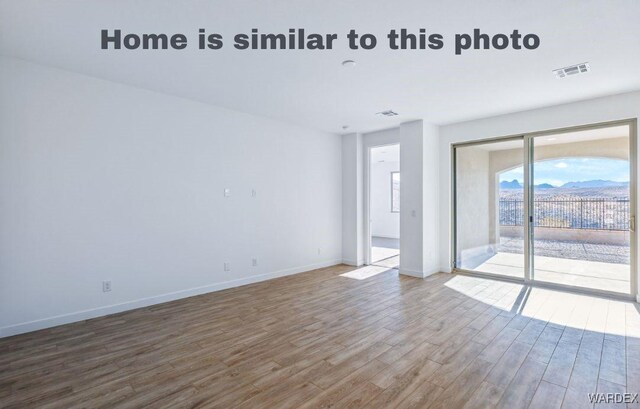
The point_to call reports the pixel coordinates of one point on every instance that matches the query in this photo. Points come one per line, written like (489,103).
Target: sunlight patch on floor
(581,312)
(474,287)
(381,253)
(365,272)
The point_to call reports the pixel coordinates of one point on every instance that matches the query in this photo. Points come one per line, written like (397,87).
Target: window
(395,192)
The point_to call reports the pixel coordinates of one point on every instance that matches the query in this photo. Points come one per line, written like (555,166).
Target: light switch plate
(106,286)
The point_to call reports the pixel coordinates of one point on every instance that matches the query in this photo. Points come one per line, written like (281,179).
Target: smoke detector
(388,112)
(572,70)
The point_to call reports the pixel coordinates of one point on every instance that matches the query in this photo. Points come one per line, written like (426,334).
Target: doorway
(384,206)
(552,207)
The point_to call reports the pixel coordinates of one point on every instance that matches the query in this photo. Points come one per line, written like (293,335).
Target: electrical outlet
(106,286)
(319,250)
(254,262)
(227,192)
(227,267)
(253,193)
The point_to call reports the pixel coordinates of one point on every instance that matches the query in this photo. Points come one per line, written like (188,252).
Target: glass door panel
(489,207)
(581,201)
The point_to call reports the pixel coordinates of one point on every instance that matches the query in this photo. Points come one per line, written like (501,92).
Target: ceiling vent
(388,112)
(572,70)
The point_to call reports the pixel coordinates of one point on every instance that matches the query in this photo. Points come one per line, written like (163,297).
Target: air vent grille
(572,70)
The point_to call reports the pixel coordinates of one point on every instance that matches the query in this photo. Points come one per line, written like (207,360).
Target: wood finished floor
(320,339)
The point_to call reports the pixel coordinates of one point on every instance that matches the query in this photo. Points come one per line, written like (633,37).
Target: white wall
(384,223)
(352,200)
(381,138)
(419,213)
(617,107)
(102,181)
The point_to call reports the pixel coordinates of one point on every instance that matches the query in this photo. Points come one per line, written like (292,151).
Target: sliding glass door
(581,208)
(489,199)
(554,207)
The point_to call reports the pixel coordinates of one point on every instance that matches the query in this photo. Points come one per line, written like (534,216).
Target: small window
(395,192)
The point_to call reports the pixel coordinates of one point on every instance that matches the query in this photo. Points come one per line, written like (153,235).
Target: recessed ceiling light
(572,70)
(345,127)
(348,63)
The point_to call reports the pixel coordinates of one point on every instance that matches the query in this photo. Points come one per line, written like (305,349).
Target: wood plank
(506,368)
(359,397)
(404,385)
(584,377)
(545,344)
(561,364)
(319,339)
(342,388)
(522,388)
(486,396)
(548,396)
(459,391)
(614,362)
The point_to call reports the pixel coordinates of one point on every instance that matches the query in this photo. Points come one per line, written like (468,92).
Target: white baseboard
(418,274)
(54,321)
(638,298)
(353,263)
(412,273)
(431,272)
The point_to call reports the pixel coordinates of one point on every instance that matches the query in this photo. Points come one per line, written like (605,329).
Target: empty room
(336,204)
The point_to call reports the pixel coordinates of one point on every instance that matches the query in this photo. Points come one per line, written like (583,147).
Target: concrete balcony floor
(573,250)
(587,265)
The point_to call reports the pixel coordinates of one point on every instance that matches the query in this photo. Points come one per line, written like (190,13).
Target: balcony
(577,242)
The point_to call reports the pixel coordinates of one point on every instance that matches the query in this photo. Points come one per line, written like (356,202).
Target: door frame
(367,199)
(528,148)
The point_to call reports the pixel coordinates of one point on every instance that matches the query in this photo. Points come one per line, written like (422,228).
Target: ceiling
(312,88)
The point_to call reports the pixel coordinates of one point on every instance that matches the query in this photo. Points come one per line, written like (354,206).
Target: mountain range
(514,184)
(595,183)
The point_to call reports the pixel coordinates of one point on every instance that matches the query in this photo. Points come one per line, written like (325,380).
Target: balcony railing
(592,214)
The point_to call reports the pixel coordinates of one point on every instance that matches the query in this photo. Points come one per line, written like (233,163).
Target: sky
(560,171)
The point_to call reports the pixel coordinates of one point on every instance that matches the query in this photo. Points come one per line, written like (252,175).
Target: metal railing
(592,214)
